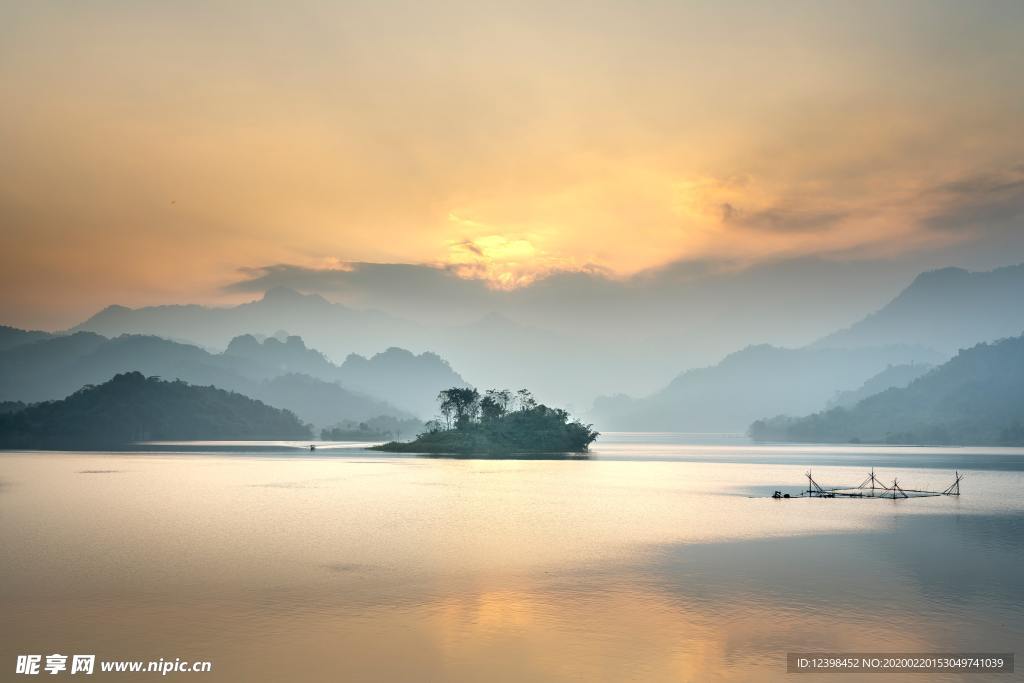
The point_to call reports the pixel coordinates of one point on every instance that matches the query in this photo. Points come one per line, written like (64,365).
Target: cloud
(979,203)
(565,298)
(352,278)
(417,291)
(782,218)
(512,142)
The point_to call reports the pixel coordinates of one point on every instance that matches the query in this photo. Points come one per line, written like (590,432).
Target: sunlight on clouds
(707,198)
(503,262)
(503,142)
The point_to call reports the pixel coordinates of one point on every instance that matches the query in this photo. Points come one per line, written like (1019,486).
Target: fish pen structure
(872,487)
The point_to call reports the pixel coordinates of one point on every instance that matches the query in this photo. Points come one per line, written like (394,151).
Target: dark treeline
(976,398)
(380,428)
(12,406)
(131,407)
(496,422)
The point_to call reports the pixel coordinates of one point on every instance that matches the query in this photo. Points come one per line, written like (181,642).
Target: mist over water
(658,558)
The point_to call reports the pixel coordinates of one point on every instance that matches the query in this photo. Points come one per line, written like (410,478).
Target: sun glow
(503,144)
(504,261)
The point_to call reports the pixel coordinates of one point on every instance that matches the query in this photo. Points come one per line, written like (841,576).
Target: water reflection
(422,569)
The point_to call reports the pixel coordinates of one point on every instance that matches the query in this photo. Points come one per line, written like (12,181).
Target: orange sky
(152,150)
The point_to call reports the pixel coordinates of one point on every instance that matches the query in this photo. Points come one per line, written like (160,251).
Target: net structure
(873,487)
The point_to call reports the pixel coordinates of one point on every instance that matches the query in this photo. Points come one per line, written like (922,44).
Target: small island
(499,422)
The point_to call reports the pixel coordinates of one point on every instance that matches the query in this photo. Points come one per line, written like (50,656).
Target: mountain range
(283,373)
(976,398)
(946,310)
(923,325)
(893,376)
(12,336)
(340,331)
(938,313)
(728,396)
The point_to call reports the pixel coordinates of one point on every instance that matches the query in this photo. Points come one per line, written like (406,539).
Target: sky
(179,152)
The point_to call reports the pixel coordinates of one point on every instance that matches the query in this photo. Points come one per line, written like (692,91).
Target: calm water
(656,559)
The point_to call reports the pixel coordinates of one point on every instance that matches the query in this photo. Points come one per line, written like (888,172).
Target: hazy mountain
(396,376)
(410,381)
(131,408)
(976,398)
(283,373)
(939,312)
(499,352)
(751,382)
(278,357)
(528,352)
(322,324)
(12,336)
(54,368)
(573,336)
(892,376)
(551,335)
(322,403)
(945,309)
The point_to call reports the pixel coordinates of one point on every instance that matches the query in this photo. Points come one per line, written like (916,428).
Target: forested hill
(131,408)
(977,398)
(12,336)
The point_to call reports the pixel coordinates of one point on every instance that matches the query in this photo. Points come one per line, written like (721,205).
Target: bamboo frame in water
(872,487)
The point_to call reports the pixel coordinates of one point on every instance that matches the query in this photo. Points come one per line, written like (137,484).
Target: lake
(659,558)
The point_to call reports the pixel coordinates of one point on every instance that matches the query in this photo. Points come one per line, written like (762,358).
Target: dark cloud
(983,202)
(781,219)
(472,247)
(411,290)
(352,278)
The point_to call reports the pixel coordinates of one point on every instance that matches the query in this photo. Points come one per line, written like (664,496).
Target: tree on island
(499,421)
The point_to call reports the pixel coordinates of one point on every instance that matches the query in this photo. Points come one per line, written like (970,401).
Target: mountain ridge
(271,371)
(947,308)
(976,398)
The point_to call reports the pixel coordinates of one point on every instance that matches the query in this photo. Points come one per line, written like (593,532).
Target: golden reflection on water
(423,569)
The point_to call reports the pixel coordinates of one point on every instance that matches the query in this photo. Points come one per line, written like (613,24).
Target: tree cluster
(498,421)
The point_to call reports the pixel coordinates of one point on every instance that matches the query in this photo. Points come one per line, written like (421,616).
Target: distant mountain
(319,322)
(749,383)
(54,368)
(940,312)
(892,376)
(131,408)
(410,381)
(945,309)
(323,403)
(977,398)
(340,331)
(12,336)
(278,357)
